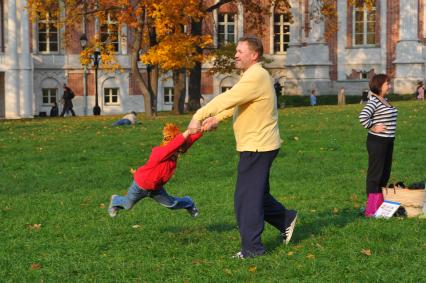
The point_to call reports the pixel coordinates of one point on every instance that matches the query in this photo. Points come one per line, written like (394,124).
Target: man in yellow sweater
(252,103)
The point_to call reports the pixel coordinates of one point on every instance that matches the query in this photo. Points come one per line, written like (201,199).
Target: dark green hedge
(298,100)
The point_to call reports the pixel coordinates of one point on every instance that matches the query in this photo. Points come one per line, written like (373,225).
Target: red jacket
(161,164)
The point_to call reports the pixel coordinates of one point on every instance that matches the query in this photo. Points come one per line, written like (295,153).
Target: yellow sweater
(252,102)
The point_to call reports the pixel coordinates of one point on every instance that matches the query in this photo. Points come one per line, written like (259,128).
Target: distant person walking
(341,100)
(277,88)
(313,97)
(420,91)
(67,98)
(379,117)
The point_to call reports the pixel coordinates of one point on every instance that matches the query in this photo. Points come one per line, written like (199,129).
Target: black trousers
(253,203)
(380,152)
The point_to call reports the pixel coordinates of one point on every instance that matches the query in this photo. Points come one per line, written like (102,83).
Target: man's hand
(194,126)
(210,124)
(378,128)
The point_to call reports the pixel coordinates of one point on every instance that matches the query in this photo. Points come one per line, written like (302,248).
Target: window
(364,25)
(281,33)
(47,33)
(49,95)
(109,32)
(226,29)
(168,95)
(111,96)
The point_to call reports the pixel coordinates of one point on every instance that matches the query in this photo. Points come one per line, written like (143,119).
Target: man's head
(249,51)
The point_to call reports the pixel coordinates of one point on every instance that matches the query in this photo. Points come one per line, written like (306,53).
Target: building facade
(390,38)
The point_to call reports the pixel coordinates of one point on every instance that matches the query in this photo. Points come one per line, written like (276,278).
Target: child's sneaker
(112,210)
(193,211)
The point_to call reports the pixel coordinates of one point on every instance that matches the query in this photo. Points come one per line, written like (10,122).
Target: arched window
(49,91)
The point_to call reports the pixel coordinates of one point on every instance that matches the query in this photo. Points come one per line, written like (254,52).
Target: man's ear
(255,56)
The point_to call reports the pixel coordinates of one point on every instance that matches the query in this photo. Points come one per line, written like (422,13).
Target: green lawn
(60,173)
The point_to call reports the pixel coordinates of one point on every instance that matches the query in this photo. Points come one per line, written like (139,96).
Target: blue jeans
(122,122)
(136,193)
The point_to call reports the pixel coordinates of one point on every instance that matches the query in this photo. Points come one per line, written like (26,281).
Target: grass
(60,173)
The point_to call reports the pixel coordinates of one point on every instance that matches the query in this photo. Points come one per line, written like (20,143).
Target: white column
(12,75)
(26,70)
(408,19)
(295,44)
(383,36)
(424,18)
(409,60)
(341,39)
(240,21)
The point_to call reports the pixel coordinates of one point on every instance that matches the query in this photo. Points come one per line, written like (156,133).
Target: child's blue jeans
(136,193)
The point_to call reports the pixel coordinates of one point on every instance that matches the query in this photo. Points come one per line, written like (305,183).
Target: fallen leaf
(252,268)
(136,226)
(290,253)
(132,171)
(35,266)
(367,252)
(318,245)
(335,210)
(296,138)
(310,256)
(102,205)
(34,227)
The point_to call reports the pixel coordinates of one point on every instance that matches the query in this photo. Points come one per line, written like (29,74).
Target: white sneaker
(193,211)
(238,255)
(290,223)
(112,210)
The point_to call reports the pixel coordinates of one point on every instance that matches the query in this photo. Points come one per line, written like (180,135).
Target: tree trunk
(153,87)
(136,72)
(179,91)
(195,73)
(153,71)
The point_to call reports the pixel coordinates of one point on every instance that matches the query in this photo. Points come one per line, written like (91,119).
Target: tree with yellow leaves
(156,29)
(167,35)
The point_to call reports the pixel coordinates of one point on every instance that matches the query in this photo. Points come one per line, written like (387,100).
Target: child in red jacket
(149,179)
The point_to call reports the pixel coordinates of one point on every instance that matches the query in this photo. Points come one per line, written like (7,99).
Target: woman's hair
(377,82)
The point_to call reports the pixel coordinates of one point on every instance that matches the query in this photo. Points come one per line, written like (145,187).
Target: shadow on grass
(312,225)
(215,227)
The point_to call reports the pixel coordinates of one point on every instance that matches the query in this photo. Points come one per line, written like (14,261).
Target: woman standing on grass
(379,117)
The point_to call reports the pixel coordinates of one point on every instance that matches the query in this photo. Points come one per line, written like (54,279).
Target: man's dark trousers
(253,203)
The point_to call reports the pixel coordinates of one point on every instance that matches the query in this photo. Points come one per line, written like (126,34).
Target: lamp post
(83,43)
(96,59)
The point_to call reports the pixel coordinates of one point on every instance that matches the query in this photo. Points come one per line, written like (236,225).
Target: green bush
(303,100)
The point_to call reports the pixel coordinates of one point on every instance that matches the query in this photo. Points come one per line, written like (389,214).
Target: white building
(35,63)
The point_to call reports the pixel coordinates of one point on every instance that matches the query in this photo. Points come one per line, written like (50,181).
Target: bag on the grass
(411,200)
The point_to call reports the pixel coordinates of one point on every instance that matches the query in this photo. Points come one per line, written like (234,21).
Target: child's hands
(185,134)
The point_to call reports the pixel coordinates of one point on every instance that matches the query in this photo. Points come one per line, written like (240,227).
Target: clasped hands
(208,124)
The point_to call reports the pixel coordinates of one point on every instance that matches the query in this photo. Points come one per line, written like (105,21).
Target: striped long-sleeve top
(375,112)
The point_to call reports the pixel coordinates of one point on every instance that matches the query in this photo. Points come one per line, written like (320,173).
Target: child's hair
(170,131)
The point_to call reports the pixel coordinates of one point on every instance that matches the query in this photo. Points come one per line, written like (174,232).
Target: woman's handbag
(411,200)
